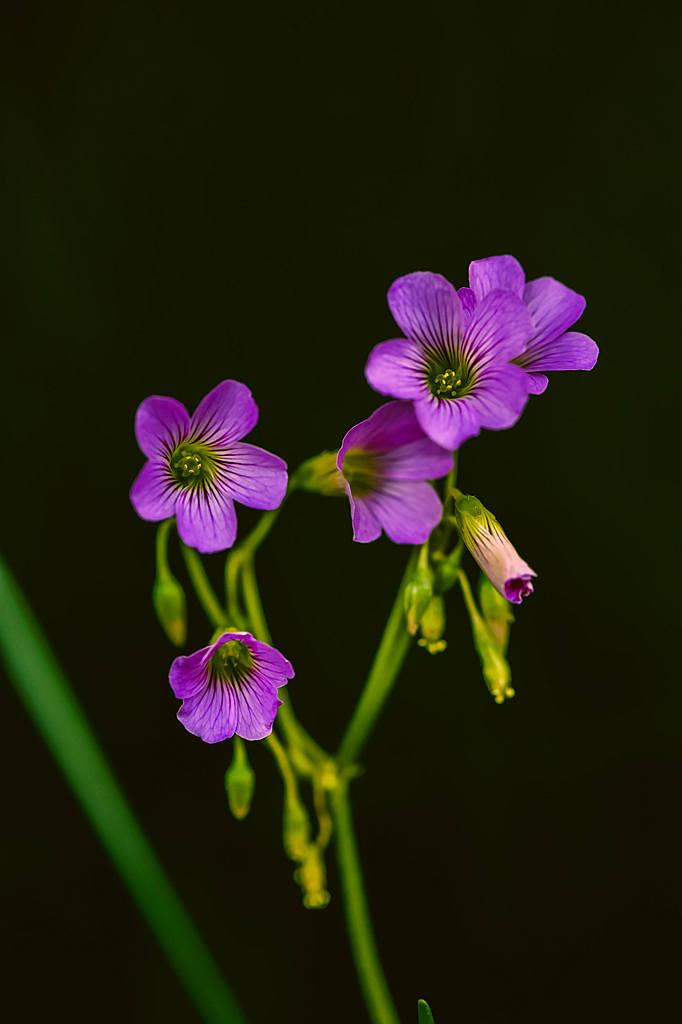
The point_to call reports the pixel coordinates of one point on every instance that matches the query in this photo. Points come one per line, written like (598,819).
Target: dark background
(198,191)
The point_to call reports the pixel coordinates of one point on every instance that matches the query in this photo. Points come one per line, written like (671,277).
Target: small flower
(230,687)
(455,362)
(553,309)
(386,461)
(198,465)
(491,548)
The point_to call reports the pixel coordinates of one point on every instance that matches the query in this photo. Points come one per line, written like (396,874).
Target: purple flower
(386,461)
(230,687)
(492,549)
(198,466)
(455,362)
(553,309)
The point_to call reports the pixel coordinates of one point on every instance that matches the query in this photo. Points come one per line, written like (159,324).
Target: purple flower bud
(492,549)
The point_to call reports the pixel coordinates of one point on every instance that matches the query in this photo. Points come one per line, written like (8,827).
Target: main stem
(363,945)
(385,669)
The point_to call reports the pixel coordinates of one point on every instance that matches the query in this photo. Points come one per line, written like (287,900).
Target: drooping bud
(321,476)
(495,667)
(170,606)
(496,612)
(432,626)
(418,591)
(296,829)
(240,781)
(311,875)
(491,548)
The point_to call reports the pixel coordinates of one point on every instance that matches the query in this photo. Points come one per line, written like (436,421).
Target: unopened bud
(321,476)
(492,549)
(240,783)
(170,606)
(496,612)
(432,626)
(495,667)
(311,875)
(296,829)
(416,597)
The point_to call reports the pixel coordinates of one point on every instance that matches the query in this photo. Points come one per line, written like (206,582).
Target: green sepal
(445,575)
(424,1015)
(416,597)
(320,475)
(496,611)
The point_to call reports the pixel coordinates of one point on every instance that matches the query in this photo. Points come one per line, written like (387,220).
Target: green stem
(58,717)
(385,669)
(363,945)
(295,733)
(162,549)
(204,590)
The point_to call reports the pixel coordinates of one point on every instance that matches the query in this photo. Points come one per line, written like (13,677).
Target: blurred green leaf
(424,1012)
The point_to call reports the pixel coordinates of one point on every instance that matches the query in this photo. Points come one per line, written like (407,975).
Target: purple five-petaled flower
(455,363)
(198,466)
(553,309)
(386,462)
(230,687)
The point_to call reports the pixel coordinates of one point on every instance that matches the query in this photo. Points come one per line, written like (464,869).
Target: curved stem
(59,719)
(385,669)
(162,548)
(202,586)
(295,733)
(363,945)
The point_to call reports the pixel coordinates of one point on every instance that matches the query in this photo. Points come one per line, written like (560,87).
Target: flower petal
(226,414)
(206,519)
(468,299)
(496,272)
(257,705)
(365,524)
(154,492)
(253,476)
(212,713)
(427,308)
(496,402)
(407,510)
(394,431)
(553,309)
(537,383)
(189,674)
(448,423)
(160,424)
(498,330)
(396,368)
(570,351)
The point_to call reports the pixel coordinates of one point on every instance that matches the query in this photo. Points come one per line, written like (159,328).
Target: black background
(199,191)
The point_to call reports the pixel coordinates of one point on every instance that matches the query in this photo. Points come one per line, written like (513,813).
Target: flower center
(232,661)
(449,381)
(191,463)
(359,469)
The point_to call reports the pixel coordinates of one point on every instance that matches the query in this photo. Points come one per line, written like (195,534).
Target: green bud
(240,783)
(495,667)
(432,626)
(416,597)
(296,829)
(496,611)
(170,606)
(320,475)
(311,875)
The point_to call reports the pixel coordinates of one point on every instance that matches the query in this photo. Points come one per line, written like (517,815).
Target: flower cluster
(469,359)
